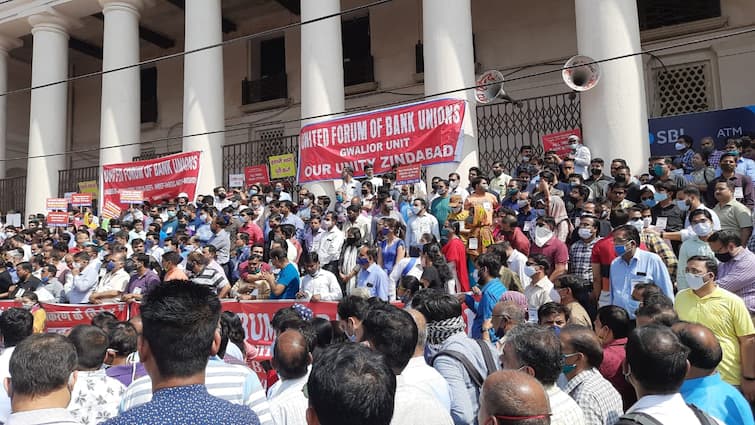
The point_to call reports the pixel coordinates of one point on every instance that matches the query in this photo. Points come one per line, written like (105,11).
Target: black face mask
(500,332)
(352,241)
(596,171)
(724,258)
(621,178)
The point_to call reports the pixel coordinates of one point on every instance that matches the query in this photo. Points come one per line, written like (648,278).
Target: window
(357,55)
(272,82)
(148,95)
(660,13)
(682,89)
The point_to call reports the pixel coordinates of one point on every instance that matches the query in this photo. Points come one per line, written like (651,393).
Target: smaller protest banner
(89,186)
(131,196)
(409,174)
(256,174)
(559,142)
(111,210)
(56,204)
(282,166)
(81,199)
(235,180)
(57,219)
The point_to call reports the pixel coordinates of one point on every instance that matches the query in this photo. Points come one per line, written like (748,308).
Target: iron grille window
(357,58)
(661,13)
(682,89)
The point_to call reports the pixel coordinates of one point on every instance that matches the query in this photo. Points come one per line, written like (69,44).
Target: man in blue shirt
(371,275)
(287,284)
(181,317)
(703,386)
(632,266)
(491,288)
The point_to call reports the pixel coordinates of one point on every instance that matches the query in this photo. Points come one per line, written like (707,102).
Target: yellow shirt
(40,317)
(727,316)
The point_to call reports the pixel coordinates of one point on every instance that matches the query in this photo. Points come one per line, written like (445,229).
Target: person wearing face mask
(349,187)
(249,226)
(420,222)
(306,200)
(685,152)
(506,316)
(708,148)
(598,182)
(582,355)
(661,172)
(490,288)
(355,219)
(371,275)
(547,244)
(113,284)
(392,248)
(633,266)
(697,245)
(743,187)
(736,265)
(439,206)
(580,252)
(526,216)
(30,302)
(744,166)
(667,210)
(509,195)
(724,313)
(351,312)
(318,284)
(581,155)
(525,155)
(347,262)
(454,180)
(387,208)
(330,243)
(540,290)
(651,240)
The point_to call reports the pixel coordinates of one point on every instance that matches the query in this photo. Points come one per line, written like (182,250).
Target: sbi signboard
(721,125)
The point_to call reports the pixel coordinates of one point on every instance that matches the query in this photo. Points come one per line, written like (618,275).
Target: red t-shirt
(554,250)
(456,253)
(518,240)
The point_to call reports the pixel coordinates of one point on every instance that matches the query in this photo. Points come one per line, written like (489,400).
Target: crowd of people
(593,295)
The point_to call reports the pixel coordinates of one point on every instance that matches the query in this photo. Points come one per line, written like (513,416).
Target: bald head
(705,350)
(421,322)
(291,356)
(513,394)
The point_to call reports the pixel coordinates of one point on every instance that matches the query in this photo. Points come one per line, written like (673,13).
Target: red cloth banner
(559,142)
(60,204)
(159,179)
(57,219)
(256,174)
(422,133)
(62,317)
(81,199)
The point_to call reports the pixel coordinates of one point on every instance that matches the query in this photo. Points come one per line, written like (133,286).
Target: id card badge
(661,223)
(472,243)
(739,193)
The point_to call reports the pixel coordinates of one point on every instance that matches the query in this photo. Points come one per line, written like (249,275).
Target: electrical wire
(399,102)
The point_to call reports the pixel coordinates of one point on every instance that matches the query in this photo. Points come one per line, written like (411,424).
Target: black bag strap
(703,417)
(461,358)
(640,418)
(487,356)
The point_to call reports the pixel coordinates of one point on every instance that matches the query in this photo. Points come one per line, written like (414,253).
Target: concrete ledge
(266,105)
(683,29)
(360,88)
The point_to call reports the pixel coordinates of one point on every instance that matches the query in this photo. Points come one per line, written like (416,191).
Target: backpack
(645,419)
(470,368)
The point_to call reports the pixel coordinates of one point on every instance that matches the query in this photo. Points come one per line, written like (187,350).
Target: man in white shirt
(113,284)
(330,242)
(361,222)
(318,284)
(418,373)
(540,290)
(581,155)
(420,222)
(291,360)
(349,187)
(656,364)
(16,324)
(85,273)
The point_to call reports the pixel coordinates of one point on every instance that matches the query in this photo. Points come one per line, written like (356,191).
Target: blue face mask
(362,261)
(649,202)
(110,266)
(658,197)
(45,279)
(658,170)
(619,249)
(568,368)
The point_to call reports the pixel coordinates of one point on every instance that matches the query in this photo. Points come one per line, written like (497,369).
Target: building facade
(237,79)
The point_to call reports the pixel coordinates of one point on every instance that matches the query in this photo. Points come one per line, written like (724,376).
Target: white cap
(574,138)
(183,195)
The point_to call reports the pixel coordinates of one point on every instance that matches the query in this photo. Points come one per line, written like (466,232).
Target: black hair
(710,264)
(123,338)
(657,359)
(410,283)
(584,341)
(491,263)
(41,364)
(393,332)
(550,308)
(15,325)
(616,319)
(179,321)
(104,320)
(436,305)
(323,328)
(542,261)
(352,306)
(91,344)
(537,347)
(233,330)
(630,232)
(726,237)
(433,253)
(351,384)
(285,318)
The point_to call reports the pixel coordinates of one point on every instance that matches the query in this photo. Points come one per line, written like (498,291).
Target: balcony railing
(68,180)
(264,89)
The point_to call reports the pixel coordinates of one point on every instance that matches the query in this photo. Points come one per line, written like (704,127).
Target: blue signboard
(721,125)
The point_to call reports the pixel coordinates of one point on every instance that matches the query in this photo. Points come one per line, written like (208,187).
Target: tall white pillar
(6,45)
(120,121)
(321,68)
(47,123)
(449,65)
(203,91)
(614,113)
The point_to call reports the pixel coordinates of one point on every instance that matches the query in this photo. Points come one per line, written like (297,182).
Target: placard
(256,174)
(81,199)
(132,197)
(57,219)
(59,204)
(235,180)
(282,166)
(559,142)
(111,210)
(409,174)
(89,186)
(13,220)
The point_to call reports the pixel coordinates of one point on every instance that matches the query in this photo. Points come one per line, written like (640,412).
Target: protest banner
(282,166)
(111,210)
(89,186)
(159,179)
(57,219)
(81,199)
(59,204)
(235,180)
(256,174)
(422,133)
(559,142)
(408,174)
(132,196)
(62,317)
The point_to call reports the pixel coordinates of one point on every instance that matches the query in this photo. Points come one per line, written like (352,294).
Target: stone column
(614,113)
(203,91)
(6,45)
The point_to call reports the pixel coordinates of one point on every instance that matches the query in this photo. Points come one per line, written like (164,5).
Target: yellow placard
(89,186)
(282,166)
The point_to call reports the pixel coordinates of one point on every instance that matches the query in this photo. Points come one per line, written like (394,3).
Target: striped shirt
(564,410)
(234,383)
(580,255)
(599,400)
(212,278)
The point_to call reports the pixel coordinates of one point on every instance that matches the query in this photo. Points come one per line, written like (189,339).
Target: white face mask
(521,203)
(694,281)
(584,233)
(542,235)
(416,210)
(638,224)
(702,229)
(529,271)
(454,184)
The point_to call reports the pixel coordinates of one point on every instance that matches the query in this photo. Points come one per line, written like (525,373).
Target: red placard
(60,204)
(111,210)
(81,199)
(256,174)
(408,174)
(159,179)
(57,219)
(559,142)
(422,133)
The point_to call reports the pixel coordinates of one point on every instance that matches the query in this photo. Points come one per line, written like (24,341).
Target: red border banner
(56,204)
(81,199)
(408,174)
(256,174)
(422,133)
(159,179)
(57,219)
(560,141)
